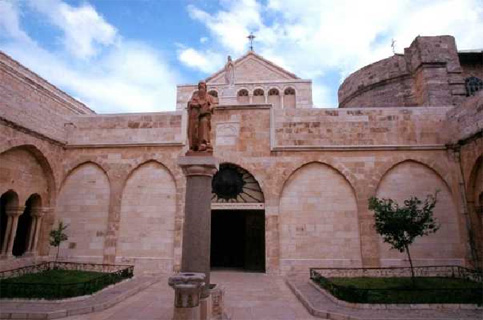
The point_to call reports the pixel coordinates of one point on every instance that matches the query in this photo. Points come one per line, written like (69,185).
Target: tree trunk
(57,255)
(413,279)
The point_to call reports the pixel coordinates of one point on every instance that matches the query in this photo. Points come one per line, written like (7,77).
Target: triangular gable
(253,68)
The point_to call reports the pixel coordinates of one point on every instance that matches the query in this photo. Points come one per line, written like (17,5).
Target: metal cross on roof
(251,37)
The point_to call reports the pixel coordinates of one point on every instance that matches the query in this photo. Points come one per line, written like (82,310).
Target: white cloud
(9,22)
(125,77)
(206,61)
(85,31)
(315,38)
(231,26)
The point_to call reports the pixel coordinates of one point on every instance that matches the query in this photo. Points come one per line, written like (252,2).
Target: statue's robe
(199,120)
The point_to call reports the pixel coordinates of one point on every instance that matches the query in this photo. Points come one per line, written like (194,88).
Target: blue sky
(128,55)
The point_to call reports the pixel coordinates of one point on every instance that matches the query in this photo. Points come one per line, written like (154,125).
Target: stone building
(294,181)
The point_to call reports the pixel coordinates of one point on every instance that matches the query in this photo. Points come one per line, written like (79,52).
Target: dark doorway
(238,239)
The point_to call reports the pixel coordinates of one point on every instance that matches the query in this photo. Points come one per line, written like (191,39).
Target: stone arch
(289,97)
(213,93)
(274,97)
(385,167)
(259,96)
(286,175)
(318,220)
(242,96)
(473,85)
(83,204)
(413,178)
(45,173)
(74,165)
(147,222)
(475,207)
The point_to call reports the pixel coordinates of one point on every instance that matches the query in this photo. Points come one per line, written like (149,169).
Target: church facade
(294,181)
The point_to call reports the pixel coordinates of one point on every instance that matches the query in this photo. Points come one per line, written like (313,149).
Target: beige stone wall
(441,248)
(318,221)
(33,103)
(127,176)
(126,129)
(428,74)
(148,209)
(466,120)
(316,168)
(360,127)
(83,204)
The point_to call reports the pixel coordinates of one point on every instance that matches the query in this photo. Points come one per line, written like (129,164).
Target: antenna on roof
(250,38)
(393,46)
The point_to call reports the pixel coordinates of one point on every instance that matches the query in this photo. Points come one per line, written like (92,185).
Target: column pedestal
(187,291)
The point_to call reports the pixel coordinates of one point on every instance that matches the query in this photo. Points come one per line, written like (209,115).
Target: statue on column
(200,109)
(229,72)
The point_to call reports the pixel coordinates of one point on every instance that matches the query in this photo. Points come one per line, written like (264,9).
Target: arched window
(25,231)
(473,84)
(242,96)
(213,93)
(274,97)
(8,200)
(258,96)
(289,98)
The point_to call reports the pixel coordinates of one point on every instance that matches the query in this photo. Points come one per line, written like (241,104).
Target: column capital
(198,165)
(39,212)
(15,212)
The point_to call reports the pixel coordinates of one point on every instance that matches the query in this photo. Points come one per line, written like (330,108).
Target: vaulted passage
(238,239)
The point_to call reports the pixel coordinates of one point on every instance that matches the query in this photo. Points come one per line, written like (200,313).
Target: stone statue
(229,72)
(200,109)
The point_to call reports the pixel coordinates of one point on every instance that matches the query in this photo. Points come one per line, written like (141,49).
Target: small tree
(399,226)
(57,236)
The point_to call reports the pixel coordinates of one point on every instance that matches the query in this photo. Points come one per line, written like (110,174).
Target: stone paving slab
(45,309)
(320,305)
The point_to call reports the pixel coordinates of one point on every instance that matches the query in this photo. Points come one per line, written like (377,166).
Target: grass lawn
(55,284)
(55,277)
(394,283)
(400,290)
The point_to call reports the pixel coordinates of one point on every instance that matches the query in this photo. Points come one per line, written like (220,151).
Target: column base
(187,313)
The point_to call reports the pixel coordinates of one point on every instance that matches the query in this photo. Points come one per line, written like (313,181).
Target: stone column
(37,214)
(199,171)
(6,237)
(30,242)
(187,290)
(12,223)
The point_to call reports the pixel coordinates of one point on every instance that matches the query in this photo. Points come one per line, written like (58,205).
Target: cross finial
(393,46)
(251,37)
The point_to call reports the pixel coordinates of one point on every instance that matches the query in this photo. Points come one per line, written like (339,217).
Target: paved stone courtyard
(255,296)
